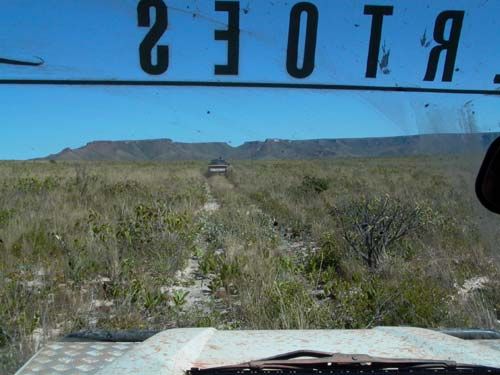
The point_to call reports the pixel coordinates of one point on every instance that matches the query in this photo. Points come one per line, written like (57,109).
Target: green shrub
(314,184)
(329,256)
(5,216)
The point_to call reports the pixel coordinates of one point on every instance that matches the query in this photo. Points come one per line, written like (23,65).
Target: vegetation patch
(349,243)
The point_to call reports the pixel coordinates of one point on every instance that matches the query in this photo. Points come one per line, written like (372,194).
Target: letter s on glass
(153,36)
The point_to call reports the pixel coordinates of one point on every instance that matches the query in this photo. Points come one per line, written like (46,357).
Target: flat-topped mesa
(280,149)
(130,141)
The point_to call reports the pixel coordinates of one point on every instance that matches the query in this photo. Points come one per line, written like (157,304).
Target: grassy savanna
(347,243)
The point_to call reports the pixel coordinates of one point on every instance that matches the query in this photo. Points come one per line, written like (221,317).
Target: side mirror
(488,179)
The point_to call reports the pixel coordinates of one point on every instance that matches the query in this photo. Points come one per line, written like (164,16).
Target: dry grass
(91,245)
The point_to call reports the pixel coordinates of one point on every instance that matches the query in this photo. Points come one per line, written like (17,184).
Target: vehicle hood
(177,350)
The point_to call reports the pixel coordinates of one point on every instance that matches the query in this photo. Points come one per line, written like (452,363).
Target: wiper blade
(314,360)
(7,61)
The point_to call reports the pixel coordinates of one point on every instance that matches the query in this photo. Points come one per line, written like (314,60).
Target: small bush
(329,259)
(314,184)
(372,226)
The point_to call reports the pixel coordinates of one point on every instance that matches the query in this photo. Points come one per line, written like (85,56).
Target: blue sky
(98,39)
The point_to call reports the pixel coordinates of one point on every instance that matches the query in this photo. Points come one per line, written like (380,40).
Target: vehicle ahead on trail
(218,167)
(348,240)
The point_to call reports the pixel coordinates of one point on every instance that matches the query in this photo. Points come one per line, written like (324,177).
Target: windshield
(245,165)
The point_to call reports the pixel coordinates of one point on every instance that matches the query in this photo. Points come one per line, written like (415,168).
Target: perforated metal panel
(74,357)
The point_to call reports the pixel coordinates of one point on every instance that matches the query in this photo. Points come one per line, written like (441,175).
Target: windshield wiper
(22,62)
(314,361)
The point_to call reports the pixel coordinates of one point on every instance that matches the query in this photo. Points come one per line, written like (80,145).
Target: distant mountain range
(166,149)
